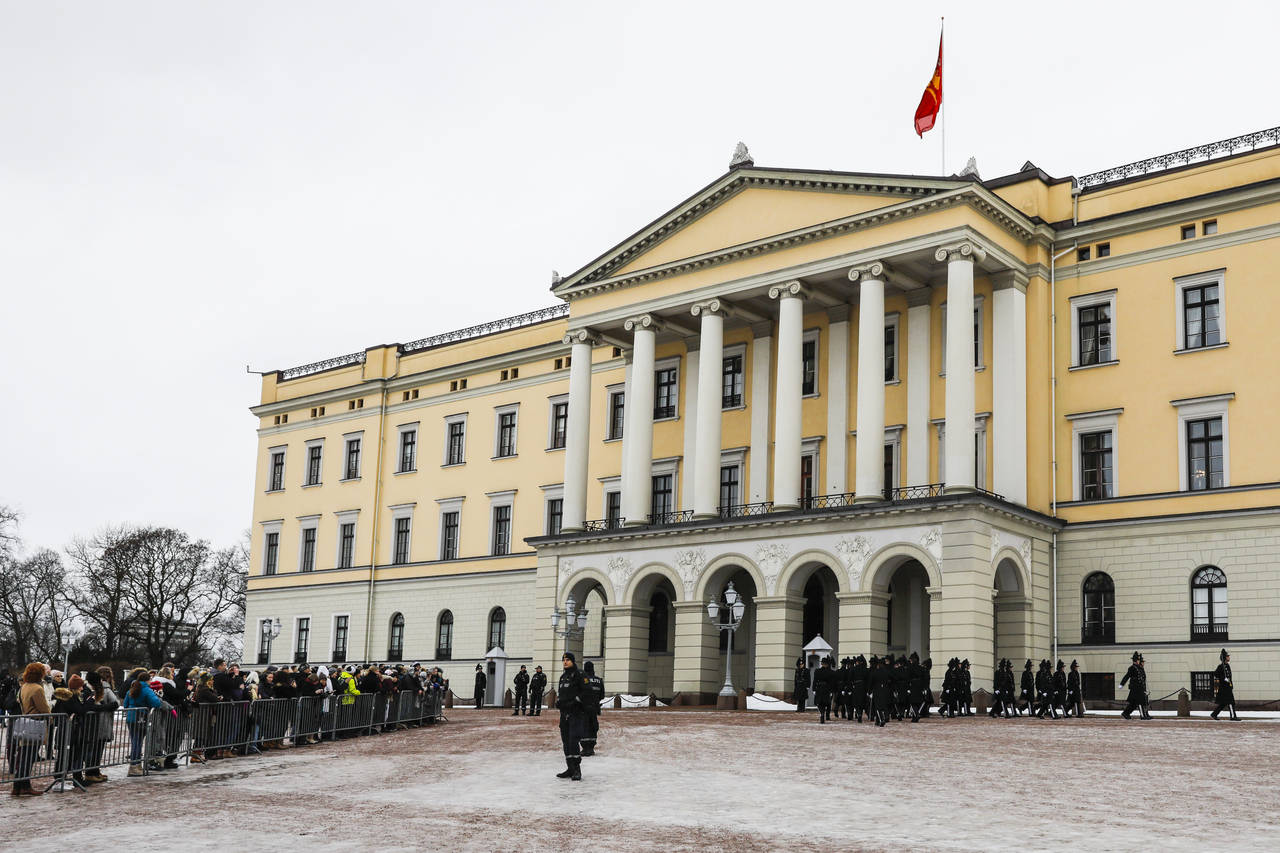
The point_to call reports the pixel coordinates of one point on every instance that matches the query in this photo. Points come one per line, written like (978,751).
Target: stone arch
(792,570)
(724,561)
(1020,572)
(647,572)
(882,564)
(581,582)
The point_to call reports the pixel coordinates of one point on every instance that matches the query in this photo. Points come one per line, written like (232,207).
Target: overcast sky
(187,188)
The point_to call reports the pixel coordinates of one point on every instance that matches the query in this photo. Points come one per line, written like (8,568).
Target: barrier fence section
(53,747)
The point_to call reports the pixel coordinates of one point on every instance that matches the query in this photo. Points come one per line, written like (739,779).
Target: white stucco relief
(854,552)
(771,557)
(1005,539)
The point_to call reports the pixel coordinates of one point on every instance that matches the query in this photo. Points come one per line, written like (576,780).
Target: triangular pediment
(749,205)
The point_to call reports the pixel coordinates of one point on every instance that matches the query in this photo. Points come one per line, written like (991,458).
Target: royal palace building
(1023,417)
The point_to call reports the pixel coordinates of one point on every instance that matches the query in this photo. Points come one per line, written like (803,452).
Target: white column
(624,479)
(637,439)
(958,444)
(692,366)
(1009,386)
(788,394)
(919,383)
(869,465)
(577,433)
(761,362)
(837,392)
(706,479)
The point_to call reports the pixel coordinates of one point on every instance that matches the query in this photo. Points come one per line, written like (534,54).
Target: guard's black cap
(1222,655)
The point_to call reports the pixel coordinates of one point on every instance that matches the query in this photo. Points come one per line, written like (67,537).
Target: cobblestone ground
(688,780)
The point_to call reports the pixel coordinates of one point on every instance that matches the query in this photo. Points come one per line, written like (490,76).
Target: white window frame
(892,321)
(549,494)
(460,418)
(735,457)
(552,402)
(610,392)
(397,512)
(447,505)
(607,485)
(672,363)
(981,364)
(282,449)
(729,351)
(275,526)
(980,456)
(306,463)
(305,523)
(346,516)
(333,633)
(814,335)
(293,645)
(893,437)
(417,446)
(1089,300)
(1099,421)
(507,498)
(1180,285)
(1194,409)
(498,412)
(811,446)
(346,450)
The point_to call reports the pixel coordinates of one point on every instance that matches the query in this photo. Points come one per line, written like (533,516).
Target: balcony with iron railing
(1206,632)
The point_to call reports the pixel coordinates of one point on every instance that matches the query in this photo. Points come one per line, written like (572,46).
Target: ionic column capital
(581,336)
(963,251)
(642,322)
(790,290)
(874,271)
(714,306)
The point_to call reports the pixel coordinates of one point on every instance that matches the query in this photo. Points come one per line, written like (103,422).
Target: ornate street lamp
(68,637)
(727,617)
(575,621)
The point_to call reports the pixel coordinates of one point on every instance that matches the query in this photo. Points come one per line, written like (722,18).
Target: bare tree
(32,611)
(99,591)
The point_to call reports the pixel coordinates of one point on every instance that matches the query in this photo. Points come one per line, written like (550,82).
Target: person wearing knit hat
(1226,696)
(569,699)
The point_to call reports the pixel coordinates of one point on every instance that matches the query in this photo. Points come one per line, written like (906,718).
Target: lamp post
(67,637)
(274,630)
(727,617)
(575,621)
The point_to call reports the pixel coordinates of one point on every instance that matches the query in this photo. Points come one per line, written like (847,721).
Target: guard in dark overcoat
(881,679)
(900,679)
(1027,690)
(1075,695)
(917,687)
(966,687)
(860,680)
(1222,680)
(800,684)
(825,684)
(1044,691)
(522,692)
(1060,687)
(537,686)
(1136,678)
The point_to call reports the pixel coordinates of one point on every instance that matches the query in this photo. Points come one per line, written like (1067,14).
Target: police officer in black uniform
(1136,678)
(800,685)
(569,699)
(522,691)
(592,696)
(824,685)
(537,686)
(1226,688)
(1075,695)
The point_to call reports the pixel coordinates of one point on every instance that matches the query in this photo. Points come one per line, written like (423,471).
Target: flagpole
(942,107)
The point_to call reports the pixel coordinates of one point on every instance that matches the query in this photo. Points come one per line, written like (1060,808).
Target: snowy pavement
(675,780)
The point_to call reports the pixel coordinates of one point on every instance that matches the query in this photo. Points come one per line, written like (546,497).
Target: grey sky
(189,187)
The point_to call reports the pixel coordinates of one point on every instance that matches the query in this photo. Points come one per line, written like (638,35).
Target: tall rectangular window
(728,486)
(277,471)
(271,561)
(807,485)
(457,442)
(1095,333)
(353,459)
(731,390)
(401,554)
(613,509)
(662,496)
(449,536)
(264,642)
(304,637)
(559,425)
(507,434)
(1200,316)
(890,478)
(346,544)
(555,516)
(664,399)
(308,562)
(1095,466)
(340,631)
(809,363)
(314,453)
(408,450)
(1204,454)
(617,409)
(891,352)
(501,530)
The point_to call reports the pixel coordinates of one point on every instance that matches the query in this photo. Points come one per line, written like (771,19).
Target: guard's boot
(1232,709)
(1214,715)
(575,769)
(568,768)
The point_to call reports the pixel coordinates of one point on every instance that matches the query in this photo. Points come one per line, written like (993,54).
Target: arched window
(658,622)
(498,629)
(1209,604)
(1099,612)
(444,637)
(395,648)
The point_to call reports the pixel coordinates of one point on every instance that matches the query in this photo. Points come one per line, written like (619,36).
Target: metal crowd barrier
(32,747)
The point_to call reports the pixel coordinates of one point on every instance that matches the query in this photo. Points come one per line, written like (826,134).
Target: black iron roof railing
(1195,154)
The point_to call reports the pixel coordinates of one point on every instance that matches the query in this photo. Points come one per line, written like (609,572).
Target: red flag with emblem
(931,100)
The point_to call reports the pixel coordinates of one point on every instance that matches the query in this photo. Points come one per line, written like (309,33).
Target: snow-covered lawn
(676,780)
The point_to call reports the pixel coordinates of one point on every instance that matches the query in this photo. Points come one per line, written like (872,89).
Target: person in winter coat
(1136,678)
(482,681)
(881,680)
(859,687)
(570,701)
(592,696)
(104,697)
(139,701)
(522,692)
(824,685)
(1222,679)
(204,721)
(25,745)
(1075,695)
(1027,689)
(79,728)
(175,693)
(537,686)
(800,684)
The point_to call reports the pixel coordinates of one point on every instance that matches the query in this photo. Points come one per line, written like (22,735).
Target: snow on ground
(676,780)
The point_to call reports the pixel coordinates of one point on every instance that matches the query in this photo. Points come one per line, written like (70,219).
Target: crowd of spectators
(193,700)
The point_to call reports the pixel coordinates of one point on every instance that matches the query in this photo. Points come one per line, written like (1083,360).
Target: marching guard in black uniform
(1136,678)
(592,696)
(1060,688)
(570,701)
(881,679)
(800,685)
(917,687)
(1226,688)
(1044,692)
(928,686)
(999,702)
(945,705)
(824,684)
(537,686)
(1027,689)
(859,688)
(522,692)
(966,687)
(844,694)
(1075,695)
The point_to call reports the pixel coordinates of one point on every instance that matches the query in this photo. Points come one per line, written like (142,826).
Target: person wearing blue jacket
(138,702)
